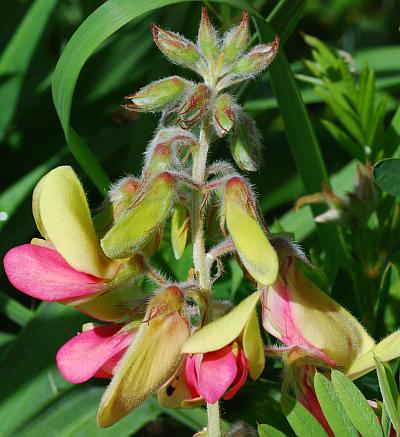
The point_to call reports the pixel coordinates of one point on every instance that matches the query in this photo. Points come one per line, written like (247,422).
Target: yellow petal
(224,330)
(179,229)
(41,242)
(253,346)
(252,245)
(62,211)
(324,323)
(148,363)
(36,206)
(386,350)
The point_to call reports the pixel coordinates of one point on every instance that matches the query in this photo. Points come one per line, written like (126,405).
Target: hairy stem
(199,252)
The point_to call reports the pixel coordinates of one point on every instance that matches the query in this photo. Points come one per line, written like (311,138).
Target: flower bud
(194,106)
(236,40)
(157,95)
(252,245)
(245,144)
(179,229)
(149,212)
(294,306)
(151,360)
(207,39)
(120,197)
(177,48)
(162,154)
(224,114)
(257,59)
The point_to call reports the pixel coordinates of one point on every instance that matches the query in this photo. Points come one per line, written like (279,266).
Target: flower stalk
(199,252)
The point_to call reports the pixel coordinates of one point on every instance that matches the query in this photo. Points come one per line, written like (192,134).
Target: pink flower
(210,375)
(218,358)
(68,265)
(95,352)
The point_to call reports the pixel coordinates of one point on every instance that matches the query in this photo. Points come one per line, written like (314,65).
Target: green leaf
(285,17)
(366,97)
(300,419)
(344,140)
(269,431)
(74,414)
(389,393)
(387,175)
(356,406)
(17,55)
(333,410)
(15,311)
(392,139)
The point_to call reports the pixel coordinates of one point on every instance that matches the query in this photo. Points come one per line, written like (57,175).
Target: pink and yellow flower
(219,357)
(68,265)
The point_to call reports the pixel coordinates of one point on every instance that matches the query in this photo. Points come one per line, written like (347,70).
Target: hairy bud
(236,40)
(252,245)
(177,48)
(194,106)
(207,39)
(245,144)
(224,114)
(257,59)
(145,217)
(157,95)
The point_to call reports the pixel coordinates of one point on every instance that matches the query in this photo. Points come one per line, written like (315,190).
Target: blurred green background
(36,401)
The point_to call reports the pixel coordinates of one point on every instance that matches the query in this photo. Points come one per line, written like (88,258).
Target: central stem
(199,251)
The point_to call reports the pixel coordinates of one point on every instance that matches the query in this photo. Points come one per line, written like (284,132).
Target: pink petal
(43,273)
(88,353)
(240,377)
(191,374)
(217,372)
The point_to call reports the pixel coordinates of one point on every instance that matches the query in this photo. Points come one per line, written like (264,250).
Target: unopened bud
(245,144)
(236,40)
(164,150)
(157,95)
(177,48)
(120,197)
(194,106)
(207,39)
(257,59)
(224,114)
(252,245)
(149,212)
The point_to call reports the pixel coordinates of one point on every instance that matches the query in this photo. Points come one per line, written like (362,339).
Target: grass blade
(15,311)
(16,57)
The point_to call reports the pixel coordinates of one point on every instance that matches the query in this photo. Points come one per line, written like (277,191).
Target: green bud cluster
(221,62)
